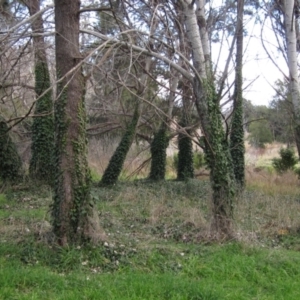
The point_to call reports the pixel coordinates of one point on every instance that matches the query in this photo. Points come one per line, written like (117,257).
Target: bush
(287,160)
(199,160)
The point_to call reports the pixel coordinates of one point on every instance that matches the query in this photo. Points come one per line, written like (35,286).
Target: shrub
(287,160)
(199,160)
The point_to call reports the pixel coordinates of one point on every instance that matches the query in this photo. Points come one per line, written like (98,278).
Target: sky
(256,62)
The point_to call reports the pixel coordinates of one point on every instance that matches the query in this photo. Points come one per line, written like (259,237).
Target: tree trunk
(160,140)
(237,143)
(291,44)
(42,147)
(216,145)
(10,161)
(158,153)
(185,167)
(74,215)
(114,168)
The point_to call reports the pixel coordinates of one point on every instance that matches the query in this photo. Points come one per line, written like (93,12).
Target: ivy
(158,154)
(82,205)
(60,148)
(185,166)
(115,165)
(237,144)
(216,150)
(42,147)
(10,161)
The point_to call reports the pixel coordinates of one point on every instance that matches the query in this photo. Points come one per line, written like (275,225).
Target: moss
(10,161)
(41,163)
(114,168)
(158,154)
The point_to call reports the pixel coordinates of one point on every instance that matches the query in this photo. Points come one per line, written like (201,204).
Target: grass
(230,271)
(158,245)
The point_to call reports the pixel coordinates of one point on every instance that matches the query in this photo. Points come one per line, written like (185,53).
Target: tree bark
(216,144)
(75,219)
(291,44)
(237,143)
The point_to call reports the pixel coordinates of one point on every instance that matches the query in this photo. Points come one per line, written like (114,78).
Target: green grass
(219,272)
(156,247)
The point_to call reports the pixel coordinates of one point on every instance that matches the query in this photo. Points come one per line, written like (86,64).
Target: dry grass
(101,150)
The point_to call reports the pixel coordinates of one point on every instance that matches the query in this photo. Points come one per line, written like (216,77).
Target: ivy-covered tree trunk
(185,167)
(237,143)
(74,215)
(158,148)
(10,161)
(207,103)
(115,165)
(218,157)
(42,147)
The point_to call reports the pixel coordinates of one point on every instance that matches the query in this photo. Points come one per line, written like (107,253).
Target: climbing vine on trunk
(158,153)
(115,165)
(41,163)
(74,215)
(185,167)
(10,161)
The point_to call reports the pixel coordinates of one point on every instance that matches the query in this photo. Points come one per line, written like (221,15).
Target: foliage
(287,160)
(281,116)
(278,117)
(10,161)
(260,133)
(114,168)
(158,153)
(42,147)
(199,160)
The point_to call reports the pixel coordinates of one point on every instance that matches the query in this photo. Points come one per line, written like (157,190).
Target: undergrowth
(157,246)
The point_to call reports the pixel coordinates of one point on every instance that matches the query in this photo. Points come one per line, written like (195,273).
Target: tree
(207,103)
(284,17)
(185,166)
(281,114)
(74,215)
(237,143)
(260,133)
(290,19)
(116,162)
(42,148)
(10,161)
